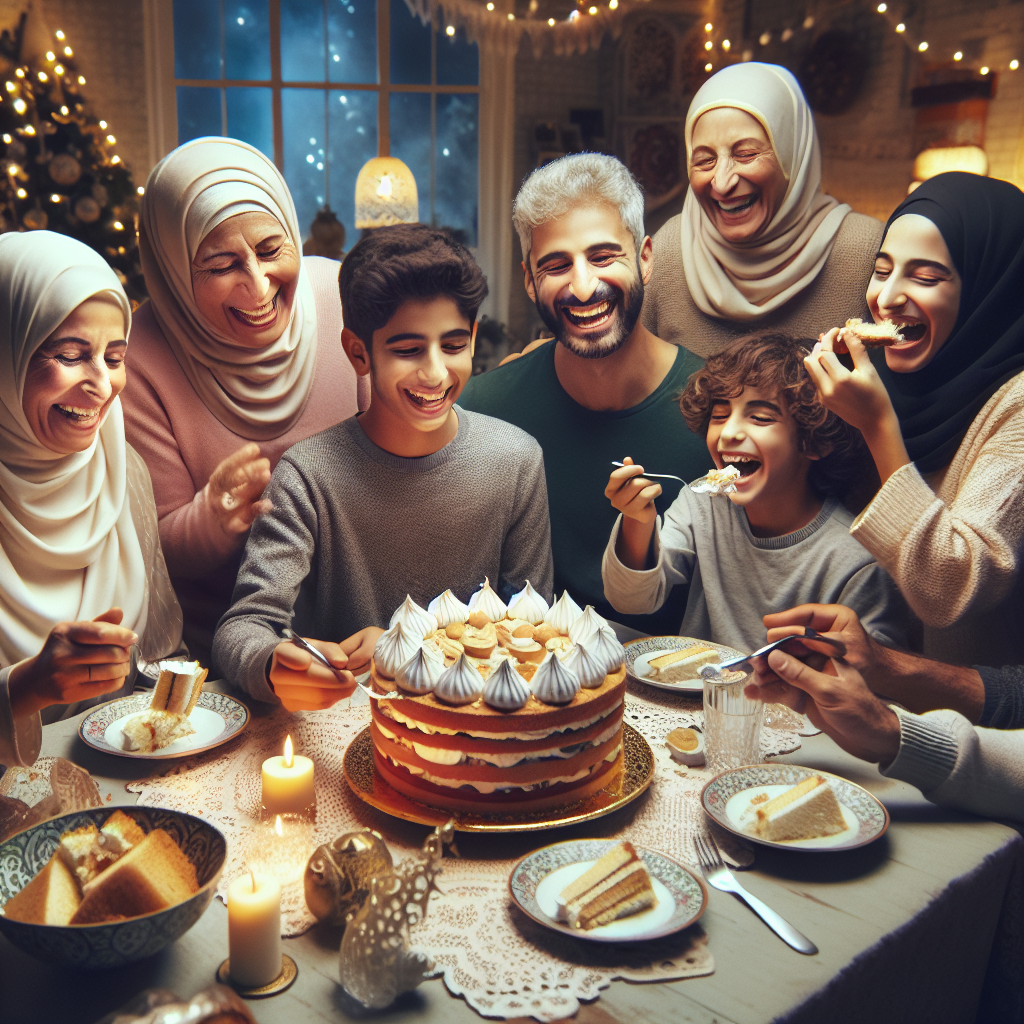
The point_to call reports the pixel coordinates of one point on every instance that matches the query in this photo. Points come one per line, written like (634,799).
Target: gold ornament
(35,220)
(376,965)
(65,169)
(87,210)
(339,874)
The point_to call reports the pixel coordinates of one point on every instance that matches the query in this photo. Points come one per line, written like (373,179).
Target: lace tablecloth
(500,961)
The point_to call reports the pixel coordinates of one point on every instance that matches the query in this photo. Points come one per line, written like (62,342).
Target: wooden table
(905,927)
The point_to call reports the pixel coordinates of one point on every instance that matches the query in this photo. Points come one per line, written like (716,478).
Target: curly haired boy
(782,537)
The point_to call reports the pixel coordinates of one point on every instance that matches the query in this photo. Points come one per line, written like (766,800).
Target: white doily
(503,964)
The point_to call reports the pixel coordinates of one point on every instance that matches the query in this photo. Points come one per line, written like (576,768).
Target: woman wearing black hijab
(943,413)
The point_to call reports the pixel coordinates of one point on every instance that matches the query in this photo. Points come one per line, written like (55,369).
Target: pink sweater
(182,443)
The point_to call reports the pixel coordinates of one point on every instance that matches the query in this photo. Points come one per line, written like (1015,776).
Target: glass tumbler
(732,721)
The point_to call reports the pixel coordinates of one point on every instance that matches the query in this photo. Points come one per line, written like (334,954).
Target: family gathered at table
(275,442)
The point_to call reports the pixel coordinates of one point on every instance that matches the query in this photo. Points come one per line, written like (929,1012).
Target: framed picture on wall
(654,150)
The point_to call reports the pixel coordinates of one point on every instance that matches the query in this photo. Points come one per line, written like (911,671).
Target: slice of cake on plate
(616,886)
(175,695)
(808,810)
(677,666)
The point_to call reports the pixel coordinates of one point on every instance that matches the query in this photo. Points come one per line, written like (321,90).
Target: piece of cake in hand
(175,695)
(808,810)
(151,876)
(616,886)
(874,335)
(52,897)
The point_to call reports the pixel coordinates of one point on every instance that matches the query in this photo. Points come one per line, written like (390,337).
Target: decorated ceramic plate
(730,798)
(639,654)
(538,879)
(216,719)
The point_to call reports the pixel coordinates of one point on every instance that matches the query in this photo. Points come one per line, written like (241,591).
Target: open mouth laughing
(262,316)
(743,463)
(911,329)
(596,314)
(737,205)
(429,401)
(79,416)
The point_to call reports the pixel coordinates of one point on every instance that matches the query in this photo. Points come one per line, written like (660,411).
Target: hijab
(744,281)
(68,546)
(256,393)
(981,221)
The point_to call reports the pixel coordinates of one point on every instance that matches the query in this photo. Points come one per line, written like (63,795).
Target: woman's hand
(303,683)
(858,396)
(234,488)
(634,497)
(79,661)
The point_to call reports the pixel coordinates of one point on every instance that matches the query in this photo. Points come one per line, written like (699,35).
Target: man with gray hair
(606,388)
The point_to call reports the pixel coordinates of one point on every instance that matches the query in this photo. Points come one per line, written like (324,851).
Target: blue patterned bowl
(120,942)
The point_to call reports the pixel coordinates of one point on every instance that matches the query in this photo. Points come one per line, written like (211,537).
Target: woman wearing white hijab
(82,578)
(757,245)
(236,357)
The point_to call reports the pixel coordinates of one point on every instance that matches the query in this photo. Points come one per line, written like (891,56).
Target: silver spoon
(808,634)
(299,641)
(654,476)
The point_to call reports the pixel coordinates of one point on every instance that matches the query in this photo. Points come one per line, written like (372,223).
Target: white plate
(216,719)
(639,654)
(727,799)
(538,878)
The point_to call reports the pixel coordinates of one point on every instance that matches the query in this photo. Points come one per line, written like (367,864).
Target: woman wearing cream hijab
(757,245)
(82,578)
(236,357)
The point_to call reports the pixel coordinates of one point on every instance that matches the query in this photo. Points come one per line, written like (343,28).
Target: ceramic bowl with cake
(502,708)
(107,886)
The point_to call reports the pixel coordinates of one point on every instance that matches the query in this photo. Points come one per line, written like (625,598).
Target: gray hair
(553,190)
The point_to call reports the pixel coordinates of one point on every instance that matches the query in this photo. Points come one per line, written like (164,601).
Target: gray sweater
(734,577)
(354,529)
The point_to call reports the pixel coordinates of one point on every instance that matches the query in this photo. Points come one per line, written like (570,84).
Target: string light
(613,5)
(707,67)
(13,169)
(118,226)
(111,139)
(708,45)
(43,76)
(450,30)
(958,55)
(765,38)
(10,86)
(29,130)
(984,70)
(809,21)
(81,80)
(20,105)
(67,51)
(551,22)
(1014,64)
(922,46)
(103,125)
(115,159)
(64,111)
(58,70)
(709,27)
(22,193)
(7,137)
(141,191)
(901,27)
(726,44)
(787,34)
(882,8)
(20,72)
(490,7)
(51,56)
(59,35)
(592,10)
(511,16)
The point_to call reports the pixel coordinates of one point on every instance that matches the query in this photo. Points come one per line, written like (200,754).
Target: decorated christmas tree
(60,168)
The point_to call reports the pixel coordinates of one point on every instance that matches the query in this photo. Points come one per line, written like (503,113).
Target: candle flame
(289,753)
(278,828)
(252,875)
(384,188)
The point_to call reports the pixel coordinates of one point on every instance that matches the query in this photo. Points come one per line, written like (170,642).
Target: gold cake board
(636,775)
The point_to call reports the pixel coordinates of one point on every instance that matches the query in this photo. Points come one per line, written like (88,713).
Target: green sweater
(579,446)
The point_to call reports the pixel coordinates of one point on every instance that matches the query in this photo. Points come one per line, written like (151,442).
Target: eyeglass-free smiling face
(419,362)
(244,277)
(735,174)
(756,433)
(916,285)
(586,279)
(75,375)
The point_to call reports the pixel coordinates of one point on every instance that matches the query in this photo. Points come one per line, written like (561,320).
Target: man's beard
(625,315)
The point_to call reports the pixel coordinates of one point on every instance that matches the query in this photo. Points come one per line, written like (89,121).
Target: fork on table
(722,878)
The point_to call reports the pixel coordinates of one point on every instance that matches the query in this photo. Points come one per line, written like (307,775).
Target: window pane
(250,117)
(198,112)
(302,121)
(458,61)
(197,39)
(410,46)
(302,41)
(352,41)
(246,39)
(457,159)
(352,118)
(410,140)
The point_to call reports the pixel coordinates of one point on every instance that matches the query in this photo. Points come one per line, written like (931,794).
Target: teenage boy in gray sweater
(410,497)
(781,538)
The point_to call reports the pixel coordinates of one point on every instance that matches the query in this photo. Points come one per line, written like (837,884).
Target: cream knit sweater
(953,543)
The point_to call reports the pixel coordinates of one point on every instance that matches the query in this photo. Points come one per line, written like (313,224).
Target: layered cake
(175,695)
(618,885)
(808,810)
(502,708)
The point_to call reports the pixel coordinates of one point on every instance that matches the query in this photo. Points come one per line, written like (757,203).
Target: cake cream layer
(540,798)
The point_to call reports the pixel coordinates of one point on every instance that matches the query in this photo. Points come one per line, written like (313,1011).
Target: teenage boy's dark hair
(407,261)
(774,362)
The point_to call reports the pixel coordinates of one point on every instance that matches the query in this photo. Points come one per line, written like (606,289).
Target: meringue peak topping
(414,618)
(553,683)
(563,613)
(488,602)
(460,683)
(528,605)
(506,690)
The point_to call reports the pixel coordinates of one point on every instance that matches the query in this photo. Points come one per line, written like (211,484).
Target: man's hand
(359,648)
(837,621)
(633,496)
(840,704)
(234,488)
(79,661)
(303,683)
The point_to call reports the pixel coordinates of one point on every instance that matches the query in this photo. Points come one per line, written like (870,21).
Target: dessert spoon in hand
(290,634)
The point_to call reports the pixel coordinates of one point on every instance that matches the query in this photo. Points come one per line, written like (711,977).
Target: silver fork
(290,634)
(654,476)
(723,879)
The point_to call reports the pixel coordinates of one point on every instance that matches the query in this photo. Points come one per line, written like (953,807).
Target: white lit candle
(288,783)
(254,930)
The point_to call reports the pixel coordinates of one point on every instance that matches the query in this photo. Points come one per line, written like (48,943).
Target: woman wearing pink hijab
(236,357)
